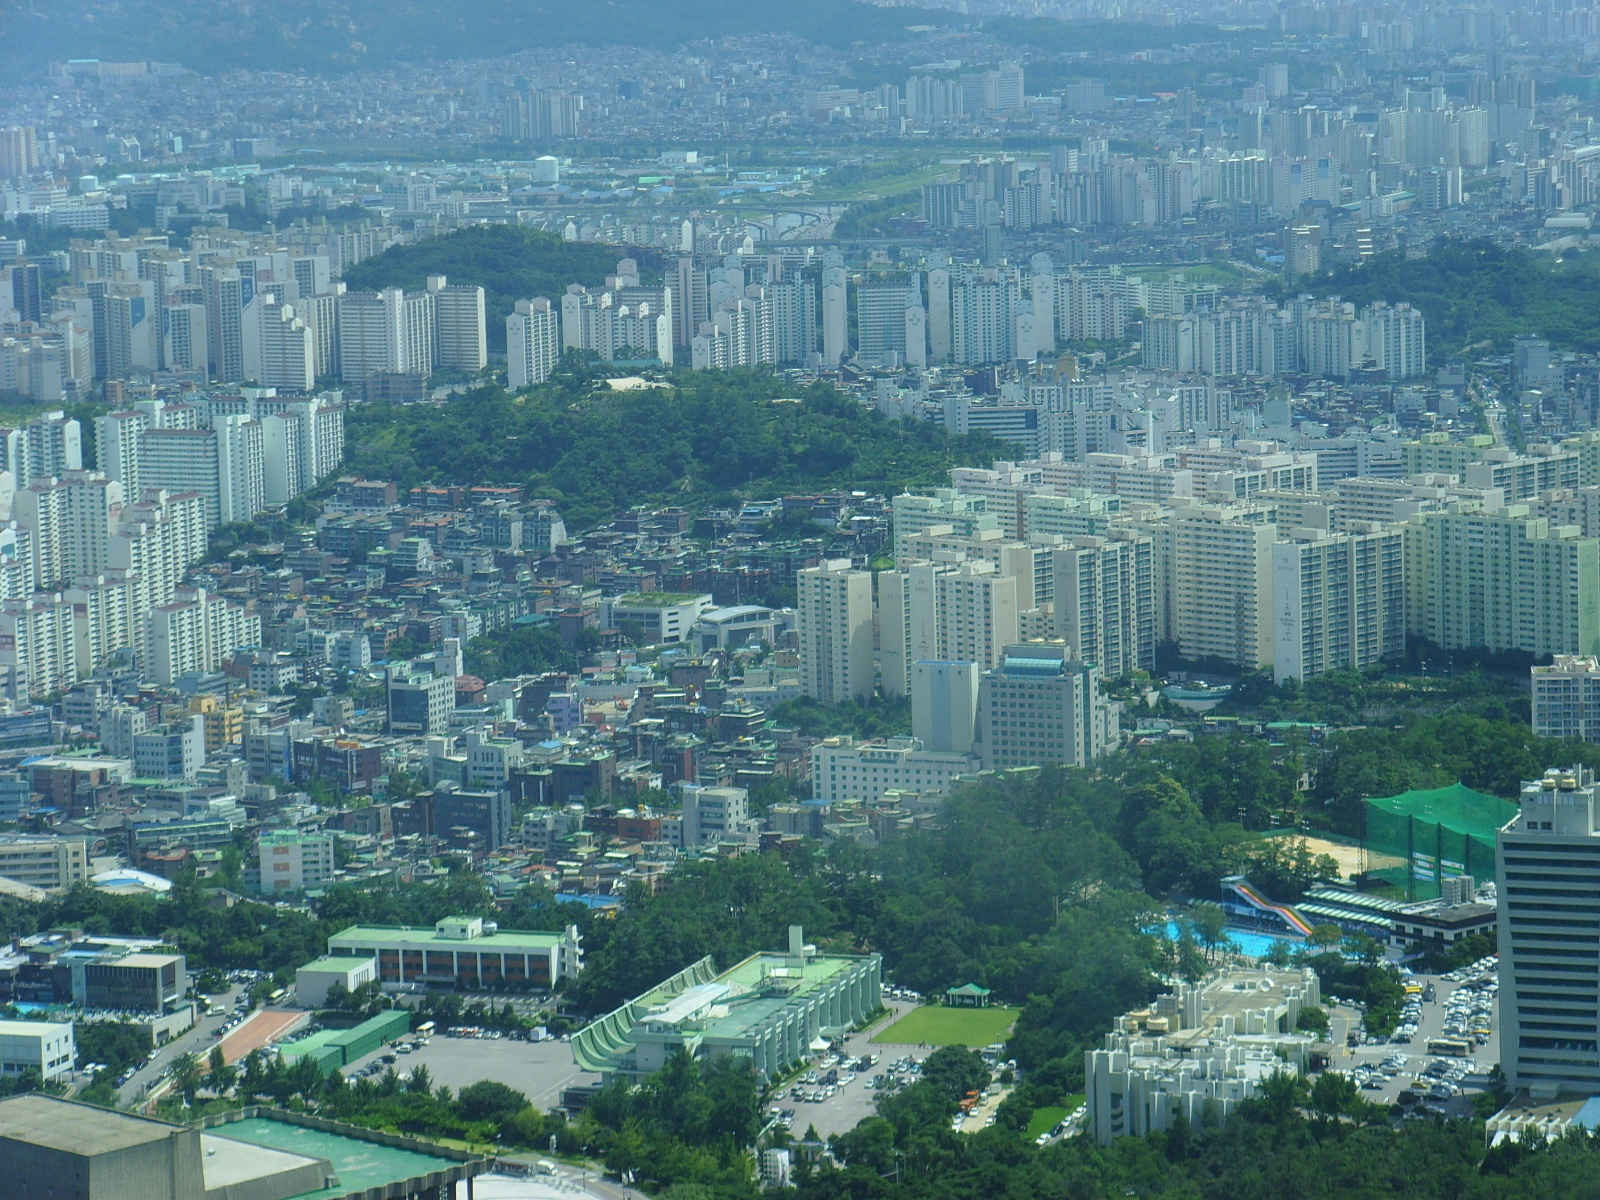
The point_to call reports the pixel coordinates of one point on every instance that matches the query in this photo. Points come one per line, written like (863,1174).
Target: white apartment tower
(1338,601)
(1221,581)
(1104,593)
(279,349)
(533,343)
(834,623)
(1566,698)
(460,329)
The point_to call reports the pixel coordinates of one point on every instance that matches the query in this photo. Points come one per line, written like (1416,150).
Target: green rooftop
(361,1165)
(757,988)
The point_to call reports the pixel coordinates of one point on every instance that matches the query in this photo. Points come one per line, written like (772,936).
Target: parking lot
(540,1070)
(1442,1084)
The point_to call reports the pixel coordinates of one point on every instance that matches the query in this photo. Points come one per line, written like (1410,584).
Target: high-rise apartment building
(279,348)
(1338,601)
(387,332)
(533,343)
(194,633)
(460,329)
(944,704)
(834,623)
(1566,698)
(226,293)
(1221,585)
(1547,863)
(975,614)
(1503,580)
(1104,592)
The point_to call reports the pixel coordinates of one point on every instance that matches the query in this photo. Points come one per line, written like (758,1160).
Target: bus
(425,1029)
(1453,1046)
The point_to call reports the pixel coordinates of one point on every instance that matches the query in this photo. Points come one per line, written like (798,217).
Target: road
(198,1041)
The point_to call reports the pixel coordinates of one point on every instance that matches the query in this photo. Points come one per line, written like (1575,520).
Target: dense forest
(508,262)
(711,437)
(1477,294)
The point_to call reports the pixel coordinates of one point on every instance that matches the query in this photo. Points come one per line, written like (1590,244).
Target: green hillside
(1477,294)
(329,36)
(508,263)
(714,437)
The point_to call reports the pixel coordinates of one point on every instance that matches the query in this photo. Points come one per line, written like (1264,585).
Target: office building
(843,769)
(419,700)
(834,624)
(1338,601)
(47,1047)
(1566,698)
(767,1009)
(51,863)
(313,981)
(664,617)
(1040,706)
(71,1151)
(141,982)
(533,343)
(1503,580)
(465,952)
(712,813)
(293,861)
(173,751)
(479,816)
(1196,1054)
(1547,863)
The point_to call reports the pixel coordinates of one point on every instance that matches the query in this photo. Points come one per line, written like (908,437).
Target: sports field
(937,1026)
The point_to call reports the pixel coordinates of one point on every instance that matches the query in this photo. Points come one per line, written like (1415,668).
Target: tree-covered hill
(1475,292)
(509,263)
(330,36)
(711,437)
(333,36)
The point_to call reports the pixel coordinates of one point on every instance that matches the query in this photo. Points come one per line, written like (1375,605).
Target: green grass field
(937,1026)
(1044,1120)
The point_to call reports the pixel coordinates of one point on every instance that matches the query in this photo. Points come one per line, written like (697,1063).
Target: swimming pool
(1247,941)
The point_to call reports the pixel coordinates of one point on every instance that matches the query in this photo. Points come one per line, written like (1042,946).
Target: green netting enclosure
(1416,838)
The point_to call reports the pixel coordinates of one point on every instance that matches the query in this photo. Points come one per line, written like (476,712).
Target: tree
(420,1082)
(955,1071)
(1210,926)
(490,1100)
(220,1076)
(1334,1093)
(186,1076)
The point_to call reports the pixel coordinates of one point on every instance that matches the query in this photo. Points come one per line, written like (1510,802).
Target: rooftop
(32,1028)
(81,1129)
(420,935)
(360,1164)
